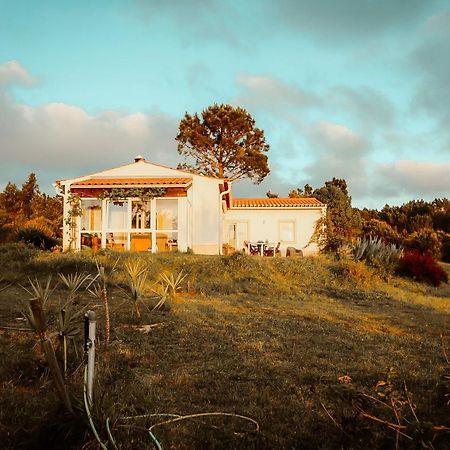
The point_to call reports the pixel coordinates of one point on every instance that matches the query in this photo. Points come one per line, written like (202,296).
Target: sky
(354,89)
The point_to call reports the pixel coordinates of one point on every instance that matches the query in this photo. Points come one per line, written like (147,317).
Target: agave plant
(375,252)
(136,271)
(35,314)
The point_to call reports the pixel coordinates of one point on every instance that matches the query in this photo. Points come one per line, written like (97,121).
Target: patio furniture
(254,248)
(271,250)
(261,248)
(294,252)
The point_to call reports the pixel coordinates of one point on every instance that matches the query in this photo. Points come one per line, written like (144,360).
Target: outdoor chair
(293,252)
(271,251)
(251,249)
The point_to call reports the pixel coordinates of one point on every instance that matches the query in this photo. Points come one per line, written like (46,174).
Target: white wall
(183,224)
(206,216)
(264,224)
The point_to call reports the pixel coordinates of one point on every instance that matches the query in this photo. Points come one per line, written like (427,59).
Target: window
(140,214)
(166,224)
(287,231)
(91,219)
(166,214)
(130,224)
(117,215)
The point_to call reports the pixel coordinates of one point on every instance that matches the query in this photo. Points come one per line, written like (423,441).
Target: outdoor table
(263,246)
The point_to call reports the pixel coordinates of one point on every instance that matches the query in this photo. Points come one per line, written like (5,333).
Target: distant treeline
(28,208)
(418,224)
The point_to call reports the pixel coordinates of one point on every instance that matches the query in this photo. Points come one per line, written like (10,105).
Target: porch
(157,225)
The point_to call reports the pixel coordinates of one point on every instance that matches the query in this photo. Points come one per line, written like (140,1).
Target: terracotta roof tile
(301,202)
(161,181)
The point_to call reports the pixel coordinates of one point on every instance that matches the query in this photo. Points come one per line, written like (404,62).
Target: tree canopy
(225,143)
(342,221)
(29,208)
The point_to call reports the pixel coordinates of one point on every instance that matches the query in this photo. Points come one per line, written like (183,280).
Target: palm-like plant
(35,310)
(173,283)
(98,287)
(162,292)
(36,316)
(136,271)
(67,316)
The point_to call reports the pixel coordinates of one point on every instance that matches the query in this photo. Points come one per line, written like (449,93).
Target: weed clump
(358,272)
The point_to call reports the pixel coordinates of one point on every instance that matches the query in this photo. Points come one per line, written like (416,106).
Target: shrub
(358,272)
(376,253)
(381,229)
(35,237)
(445,249)
(6,234)
(422,267)
(40,223)
(426,240)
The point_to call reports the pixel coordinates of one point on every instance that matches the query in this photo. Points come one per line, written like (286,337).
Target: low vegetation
(242,352)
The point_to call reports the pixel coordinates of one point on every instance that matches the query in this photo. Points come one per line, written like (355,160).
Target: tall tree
(30,190)
(224,143)
(342,222)
(10,202)
(299,192)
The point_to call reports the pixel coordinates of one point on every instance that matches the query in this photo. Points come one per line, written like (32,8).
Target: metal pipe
(222,209)
(89,348)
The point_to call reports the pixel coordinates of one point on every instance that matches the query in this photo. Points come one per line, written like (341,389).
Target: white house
(147,207)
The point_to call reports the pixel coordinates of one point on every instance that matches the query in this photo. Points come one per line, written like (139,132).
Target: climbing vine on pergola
(117,195)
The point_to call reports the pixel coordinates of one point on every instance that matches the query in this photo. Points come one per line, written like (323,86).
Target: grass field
(317,358)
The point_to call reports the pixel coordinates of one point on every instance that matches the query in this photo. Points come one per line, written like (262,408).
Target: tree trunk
(56,374)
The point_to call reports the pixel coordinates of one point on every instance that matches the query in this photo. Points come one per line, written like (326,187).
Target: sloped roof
(152,181)
(301,202)
(140,168)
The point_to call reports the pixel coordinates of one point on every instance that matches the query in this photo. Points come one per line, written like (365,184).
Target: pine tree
(224,143)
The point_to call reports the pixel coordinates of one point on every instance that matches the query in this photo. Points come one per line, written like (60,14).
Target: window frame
(284,222)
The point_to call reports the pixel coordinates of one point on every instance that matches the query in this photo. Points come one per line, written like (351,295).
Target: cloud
(339,152)
(58,140)
(204,20)
(414,179)
(439,23)
(430,61)
(11,72)
(365,105)
(274,96)
(349,20)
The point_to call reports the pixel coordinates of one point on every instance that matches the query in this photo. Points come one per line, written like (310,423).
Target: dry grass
(266,338)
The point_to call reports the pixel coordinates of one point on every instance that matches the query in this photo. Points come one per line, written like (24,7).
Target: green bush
(16,255)
(35,237)
(380,229)
(445,249)
(426,240)
(6,234)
